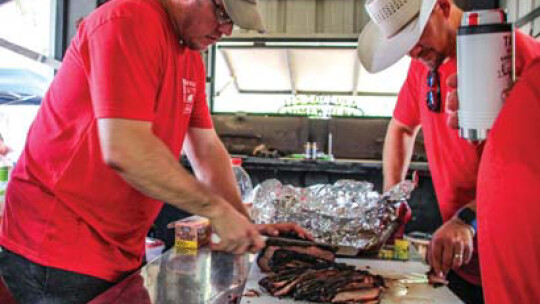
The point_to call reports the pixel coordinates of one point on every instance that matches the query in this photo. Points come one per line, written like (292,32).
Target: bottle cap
(236,161)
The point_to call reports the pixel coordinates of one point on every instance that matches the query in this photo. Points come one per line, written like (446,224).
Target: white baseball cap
(245,14)
(394,29)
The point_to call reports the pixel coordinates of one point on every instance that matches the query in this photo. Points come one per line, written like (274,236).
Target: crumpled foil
(348,212)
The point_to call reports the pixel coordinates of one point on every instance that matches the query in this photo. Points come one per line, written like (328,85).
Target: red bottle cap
(236,161)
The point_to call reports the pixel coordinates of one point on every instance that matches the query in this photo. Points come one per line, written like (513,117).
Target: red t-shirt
(453,162)
(509,197)
(65,207)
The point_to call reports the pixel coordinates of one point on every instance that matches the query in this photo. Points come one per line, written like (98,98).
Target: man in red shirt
(426,30)
(508,197)
(508,192)
(103,152)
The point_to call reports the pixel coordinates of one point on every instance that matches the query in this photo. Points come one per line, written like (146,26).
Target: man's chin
(432,64)
(197,46)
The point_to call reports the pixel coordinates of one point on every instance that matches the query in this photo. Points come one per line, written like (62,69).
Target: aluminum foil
(348,212)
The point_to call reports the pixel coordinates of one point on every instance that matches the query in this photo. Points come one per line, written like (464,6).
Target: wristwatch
(468,216)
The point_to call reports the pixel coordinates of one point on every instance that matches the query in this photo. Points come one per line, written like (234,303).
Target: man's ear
(445,6)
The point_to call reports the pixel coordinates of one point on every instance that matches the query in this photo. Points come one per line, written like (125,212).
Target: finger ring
(458,256)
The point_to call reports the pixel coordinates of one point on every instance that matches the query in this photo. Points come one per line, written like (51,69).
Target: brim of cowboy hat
(377,52)
(244,14)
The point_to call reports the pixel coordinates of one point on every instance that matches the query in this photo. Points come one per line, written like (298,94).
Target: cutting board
(417,293)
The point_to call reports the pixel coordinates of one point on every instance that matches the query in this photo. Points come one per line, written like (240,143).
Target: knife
(281,241)
(338,250)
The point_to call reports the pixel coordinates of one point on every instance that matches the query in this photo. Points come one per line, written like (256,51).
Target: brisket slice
(263,259)
(357,296)
(310,254)
(436,281)
(285,259)
(275,282)
(267,260)
(335,285)
(315,251)
(310,274)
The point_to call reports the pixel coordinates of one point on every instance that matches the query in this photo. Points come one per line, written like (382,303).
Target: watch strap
(468,216)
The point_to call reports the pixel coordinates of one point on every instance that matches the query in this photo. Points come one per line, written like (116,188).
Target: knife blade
(280,241)
(339,250)
(348,251)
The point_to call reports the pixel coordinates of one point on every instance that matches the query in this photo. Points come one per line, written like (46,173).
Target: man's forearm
(212,165)
(149,166)
(472,205)
(397,152)
(216,173)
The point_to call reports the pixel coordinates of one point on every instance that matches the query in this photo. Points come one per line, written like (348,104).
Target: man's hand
(4,149)
(452,102)
(280,228)
(238,235)
(451,247)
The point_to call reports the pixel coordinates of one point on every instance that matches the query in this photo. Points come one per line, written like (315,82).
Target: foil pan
(346,213)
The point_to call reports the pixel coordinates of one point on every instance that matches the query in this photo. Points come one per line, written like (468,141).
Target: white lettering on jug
(505,68)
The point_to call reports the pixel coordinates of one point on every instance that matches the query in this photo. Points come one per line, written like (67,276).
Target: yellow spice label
(401,249)
(185,244)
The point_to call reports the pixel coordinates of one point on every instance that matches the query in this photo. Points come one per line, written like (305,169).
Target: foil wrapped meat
(346,213)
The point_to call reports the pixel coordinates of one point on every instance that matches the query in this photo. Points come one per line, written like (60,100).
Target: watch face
(467,215)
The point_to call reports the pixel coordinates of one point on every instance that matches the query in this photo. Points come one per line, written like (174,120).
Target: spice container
(192,232)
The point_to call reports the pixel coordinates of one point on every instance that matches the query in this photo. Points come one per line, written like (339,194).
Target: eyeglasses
(222,16)
(433,98)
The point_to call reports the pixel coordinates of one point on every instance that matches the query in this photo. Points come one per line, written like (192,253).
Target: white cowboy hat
(245,14)
(395,27)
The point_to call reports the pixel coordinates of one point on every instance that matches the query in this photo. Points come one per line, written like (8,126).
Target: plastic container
(5,171)
(244,183)
(154,248)
(4,176)
(420,241)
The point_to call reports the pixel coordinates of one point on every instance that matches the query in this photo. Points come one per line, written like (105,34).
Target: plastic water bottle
(244,183)
(3,181)
(4,177)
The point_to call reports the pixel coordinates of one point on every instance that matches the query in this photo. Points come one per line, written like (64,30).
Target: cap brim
(244,14)
(377,52)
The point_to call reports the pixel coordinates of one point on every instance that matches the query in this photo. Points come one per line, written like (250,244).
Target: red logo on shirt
(189,89)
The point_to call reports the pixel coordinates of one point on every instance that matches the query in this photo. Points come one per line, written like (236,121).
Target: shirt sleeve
(407,111)
(200,116)
(123,62)
(527,49)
